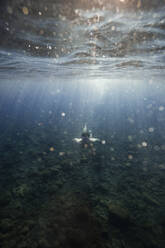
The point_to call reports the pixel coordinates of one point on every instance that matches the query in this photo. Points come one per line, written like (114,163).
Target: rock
(118,215)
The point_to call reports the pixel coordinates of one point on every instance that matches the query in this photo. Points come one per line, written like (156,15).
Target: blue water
(62,67)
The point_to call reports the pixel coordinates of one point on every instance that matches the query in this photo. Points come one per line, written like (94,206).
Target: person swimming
(86,137)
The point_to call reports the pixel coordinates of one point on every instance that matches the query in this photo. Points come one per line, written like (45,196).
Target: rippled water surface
(99,40)
(64,65)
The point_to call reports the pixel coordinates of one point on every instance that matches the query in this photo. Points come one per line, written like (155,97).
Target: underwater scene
(82,124)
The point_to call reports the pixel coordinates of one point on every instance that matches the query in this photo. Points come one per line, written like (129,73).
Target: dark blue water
(64,65)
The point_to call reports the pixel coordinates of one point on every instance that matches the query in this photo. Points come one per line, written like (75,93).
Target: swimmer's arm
(77,140)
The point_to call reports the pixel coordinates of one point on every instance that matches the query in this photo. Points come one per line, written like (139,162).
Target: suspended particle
(77,11)
(63,114)
(41,31)
(139,4)
(151,129)
(61,153)
(40,124)
(150,81)
(51,149)
(25,10)
(131,120)
(130,138)
(95,28)
(9,10)
(130,157)
(144,144)
(103,142)
(161,108)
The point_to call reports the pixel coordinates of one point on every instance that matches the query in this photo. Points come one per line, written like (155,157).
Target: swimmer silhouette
(86,137)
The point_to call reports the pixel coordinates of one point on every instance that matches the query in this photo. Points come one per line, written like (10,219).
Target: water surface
(63,65)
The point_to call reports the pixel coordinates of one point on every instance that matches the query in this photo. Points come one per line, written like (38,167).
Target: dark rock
(119,216)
